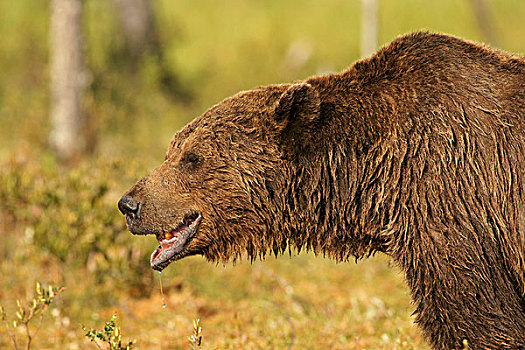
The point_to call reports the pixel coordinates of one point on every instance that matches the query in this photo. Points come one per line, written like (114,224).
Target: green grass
(59,225)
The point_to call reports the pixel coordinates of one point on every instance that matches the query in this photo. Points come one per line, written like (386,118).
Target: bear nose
(127,205)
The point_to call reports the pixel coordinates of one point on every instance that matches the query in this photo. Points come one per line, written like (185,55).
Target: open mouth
(174,242)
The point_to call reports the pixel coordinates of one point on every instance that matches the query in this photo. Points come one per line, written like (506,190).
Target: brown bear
(417,152)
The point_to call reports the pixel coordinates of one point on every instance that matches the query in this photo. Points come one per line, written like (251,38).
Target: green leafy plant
(110,335)
(36,308)
(58,205)
(196,338)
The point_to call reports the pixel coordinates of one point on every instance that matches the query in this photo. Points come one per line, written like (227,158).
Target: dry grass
(302,302)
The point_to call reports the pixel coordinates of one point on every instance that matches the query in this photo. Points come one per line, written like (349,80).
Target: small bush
(72,214)
(110,335)
(195,339)
(36,308)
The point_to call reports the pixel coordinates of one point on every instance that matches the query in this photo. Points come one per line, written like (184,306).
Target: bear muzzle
(128,206)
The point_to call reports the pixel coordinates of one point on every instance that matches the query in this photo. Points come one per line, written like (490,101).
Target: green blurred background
(58,220)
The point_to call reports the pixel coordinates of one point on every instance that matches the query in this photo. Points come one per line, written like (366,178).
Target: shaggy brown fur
(417,152)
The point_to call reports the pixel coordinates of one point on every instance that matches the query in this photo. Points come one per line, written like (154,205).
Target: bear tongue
(170,239)
(165,243)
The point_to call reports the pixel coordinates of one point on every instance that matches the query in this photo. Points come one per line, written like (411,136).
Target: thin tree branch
(13,338)
(29,337)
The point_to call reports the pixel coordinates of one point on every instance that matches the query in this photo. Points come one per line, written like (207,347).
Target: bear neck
(324,214)
(333,204)
(387,189)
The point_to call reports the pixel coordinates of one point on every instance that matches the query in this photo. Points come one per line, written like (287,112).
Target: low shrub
(71,213)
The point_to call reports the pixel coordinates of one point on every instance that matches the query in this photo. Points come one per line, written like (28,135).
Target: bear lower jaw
(173,244)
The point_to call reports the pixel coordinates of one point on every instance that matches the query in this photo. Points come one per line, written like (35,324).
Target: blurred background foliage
(59,223)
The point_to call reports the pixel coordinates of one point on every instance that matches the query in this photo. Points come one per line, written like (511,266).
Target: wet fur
(417,152)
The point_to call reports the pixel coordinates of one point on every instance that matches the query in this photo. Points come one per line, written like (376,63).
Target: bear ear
(299,104)
(294,117)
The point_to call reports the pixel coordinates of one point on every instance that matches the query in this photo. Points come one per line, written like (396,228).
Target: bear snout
(128,206)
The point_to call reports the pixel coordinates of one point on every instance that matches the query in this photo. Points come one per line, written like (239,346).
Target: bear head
(218,191)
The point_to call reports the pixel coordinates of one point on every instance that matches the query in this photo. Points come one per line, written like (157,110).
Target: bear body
(417,152)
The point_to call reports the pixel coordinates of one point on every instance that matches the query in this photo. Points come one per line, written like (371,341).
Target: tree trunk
(141,38)
(485,24)
(136,18)
(369,9)
(66,78)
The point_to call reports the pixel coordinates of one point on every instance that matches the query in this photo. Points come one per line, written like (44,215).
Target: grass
(269,304)
(59,224)
(305,301)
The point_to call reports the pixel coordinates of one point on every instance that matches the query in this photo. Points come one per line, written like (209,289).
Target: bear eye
(190,158)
